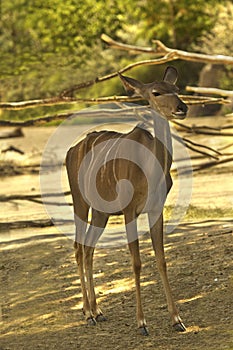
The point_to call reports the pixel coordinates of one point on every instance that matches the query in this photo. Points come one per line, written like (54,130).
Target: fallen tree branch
(202,146)
(193,147)
(31,223)
(25,223)
(12,197)
(211,164)
(12,149)
(204,130)
(220,233)
(11,133)
(190,128)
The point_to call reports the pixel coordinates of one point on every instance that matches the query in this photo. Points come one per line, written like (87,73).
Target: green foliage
(177,22)
(41,38)
(38,29)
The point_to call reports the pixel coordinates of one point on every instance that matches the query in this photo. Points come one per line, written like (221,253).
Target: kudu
(163,98)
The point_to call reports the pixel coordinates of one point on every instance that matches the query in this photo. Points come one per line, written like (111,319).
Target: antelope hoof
(91,321)
(101,318)
(143,331)
(179,327)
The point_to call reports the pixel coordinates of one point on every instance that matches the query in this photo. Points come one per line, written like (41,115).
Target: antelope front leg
(136,262)
(156,231)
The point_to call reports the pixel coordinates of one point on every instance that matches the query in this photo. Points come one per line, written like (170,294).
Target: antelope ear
(170,75)
(132,86)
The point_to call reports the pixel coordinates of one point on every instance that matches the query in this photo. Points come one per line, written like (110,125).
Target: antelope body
(106,173)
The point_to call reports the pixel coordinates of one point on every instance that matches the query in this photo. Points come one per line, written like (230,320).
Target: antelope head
(162,96)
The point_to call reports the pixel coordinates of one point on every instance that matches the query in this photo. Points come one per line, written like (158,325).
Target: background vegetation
(49,46)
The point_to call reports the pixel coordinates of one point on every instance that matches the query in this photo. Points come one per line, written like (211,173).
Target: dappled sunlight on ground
(182,301)
(42,301)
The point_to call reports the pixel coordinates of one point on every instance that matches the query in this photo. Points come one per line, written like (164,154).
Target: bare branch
(162,49)
(129,112)
(63,100)
(132,48)
(211,91)
(190,100)
(36,121)
(195,57)
(35,103)
(167,58)
(169,55)
(202,100)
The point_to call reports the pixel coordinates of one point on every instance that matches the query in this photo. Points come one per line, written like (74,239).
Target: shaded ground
(41,301)
(40,289)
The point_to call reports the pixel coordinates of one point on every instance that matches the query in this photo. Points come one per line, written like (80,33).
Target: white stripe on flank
(106,159)
(92,161)
(114,161)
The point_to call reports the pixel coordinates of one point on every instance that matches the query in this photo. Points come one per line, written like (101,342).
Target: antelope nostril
(182,108)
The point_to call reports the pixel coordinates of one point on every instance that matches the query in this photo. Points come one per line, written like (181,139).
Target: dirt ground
(40,291)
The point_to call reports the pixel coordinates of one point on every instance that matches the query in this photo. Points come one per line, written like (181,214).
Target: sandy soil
(41,301)
(40,289)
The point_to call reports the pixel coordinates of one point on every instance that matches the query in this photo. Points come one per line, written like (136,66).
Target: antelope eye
(156,93)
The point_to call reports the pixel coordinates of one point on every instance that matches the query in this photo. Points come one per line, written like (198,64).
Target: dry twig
(161,49)
(210,91)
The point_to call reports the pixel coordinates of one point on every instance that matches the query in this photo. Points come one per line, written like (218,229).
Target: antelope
(94,152)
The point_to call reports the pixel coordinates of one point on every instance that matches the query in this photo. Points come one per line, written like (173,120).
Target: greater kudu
(108,172)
